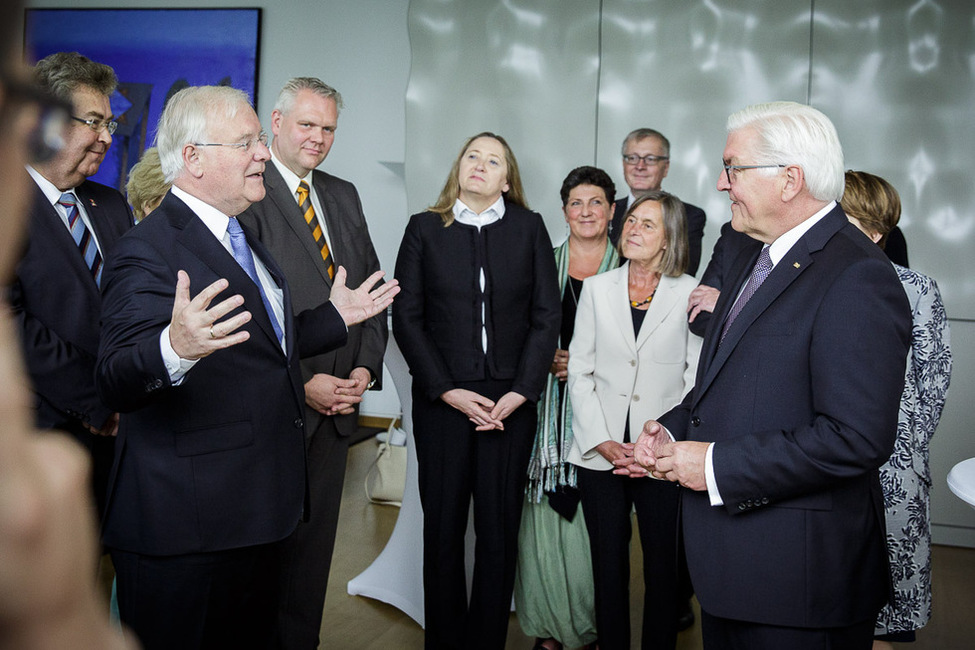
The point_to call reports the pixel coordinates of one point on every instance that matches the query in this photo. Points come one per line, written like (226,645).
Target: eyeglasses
(98,125)
(245,146)
(728,168)
(649,160)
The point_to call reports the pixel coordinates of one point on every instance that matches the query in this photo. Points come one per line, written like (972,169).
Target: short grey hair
(796,134)
(642,134)
(186,120)
(286,98)
(61,73)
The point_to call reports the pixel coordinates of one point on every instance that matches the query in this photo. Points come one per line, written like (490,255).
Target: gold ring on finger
(212,335)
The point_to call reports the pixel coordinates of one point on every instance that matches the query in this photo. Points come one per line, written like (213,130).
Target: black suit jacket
(57,305)
(696,219)
(436,317)
(279,224)
(726,250)
(216,462)
(801,400)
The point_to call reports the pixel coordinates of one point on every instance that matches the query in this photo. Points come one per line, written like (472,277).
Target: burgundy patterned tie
(82,236)
(763,266)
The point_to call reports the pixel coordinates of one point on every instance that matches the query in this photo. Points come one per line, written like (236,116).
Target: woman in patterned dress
(874,207)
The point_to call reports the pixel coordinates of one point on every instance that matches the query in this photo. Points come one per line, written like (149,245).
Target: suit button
(695,421)
(636,398)
(742,507)
(764,501)
(298,423)
(632,363)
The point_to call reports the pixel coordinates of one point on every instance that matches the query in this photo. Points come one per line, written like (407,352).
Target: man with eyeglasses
(646,161)
(311,222)
(74,223)
(200,352)
(795,404)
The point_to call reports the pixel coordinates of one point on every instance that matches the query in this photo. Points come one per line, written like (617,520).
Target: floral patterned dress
(905,478)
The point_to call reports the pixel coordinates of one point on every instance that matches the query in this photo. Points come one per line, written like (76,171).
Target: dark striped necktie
(761,270)
(308,211)
(82,236)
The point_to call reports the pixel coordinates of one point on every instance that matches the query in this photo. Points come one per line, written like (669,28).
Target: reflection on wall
(525,69)
(897,79)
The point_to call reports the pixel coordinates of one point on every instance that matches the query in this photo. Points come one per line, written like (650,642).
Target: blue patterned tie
(82,236)
(763,266)
(244,257)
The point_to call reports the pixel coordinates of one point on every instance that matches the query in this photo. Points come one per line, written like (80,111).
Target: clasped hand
(483,412)
(680,462)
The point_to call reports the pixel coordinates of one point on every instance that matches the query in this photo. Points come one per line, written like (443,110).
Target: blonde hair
(873,202)
(451,189)
(146,185)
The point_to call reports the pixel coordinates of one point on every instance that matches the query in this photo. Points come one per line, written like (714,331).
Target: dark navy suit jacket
(58,305)
(216,462)
(801,400)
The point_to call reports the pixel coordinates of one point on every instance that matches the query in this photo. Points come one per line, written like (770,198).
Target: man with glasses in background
(646,161)
(73,224)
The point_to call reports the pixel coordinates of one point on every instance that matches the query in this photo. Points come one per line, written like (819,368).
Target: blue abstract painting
(155,53)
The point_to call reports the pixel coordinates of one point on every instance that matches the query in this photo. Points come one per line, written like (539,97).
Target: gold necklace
(646,301)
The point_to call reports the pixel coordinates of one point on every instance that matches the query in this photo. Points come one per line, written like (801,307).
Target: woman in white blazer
(631,359)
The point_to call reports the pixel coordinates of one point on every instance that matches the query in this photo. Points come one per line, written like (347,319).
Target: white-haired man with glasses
(200,353)
(74,223)
(646,161)
(795,404)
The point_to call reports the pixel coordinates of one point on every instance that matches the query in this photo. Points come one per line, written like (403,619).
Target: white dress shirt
(465,215)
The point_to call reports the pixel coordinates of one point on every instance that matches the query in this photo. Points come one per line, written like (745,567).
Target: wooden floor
(357,623)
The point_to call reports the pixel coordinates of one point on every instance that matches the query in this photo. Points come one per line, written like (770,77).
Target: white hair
(796,134)
(186,120)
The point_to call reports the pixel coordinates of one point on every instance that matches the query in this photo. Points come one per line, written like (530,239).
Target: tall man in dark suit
(795,405)
(312,222)
(646,161)
(74,222)
(209,474)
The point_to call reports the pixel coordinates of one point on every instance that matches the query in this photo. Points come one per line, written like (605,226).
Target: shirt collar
(215,221)
(291,179)
(788,239)
(50,191)
(465,215)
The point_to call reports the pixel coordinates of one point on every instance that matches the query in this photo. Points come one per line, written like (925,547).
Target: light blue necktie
(242,253)
(82,236)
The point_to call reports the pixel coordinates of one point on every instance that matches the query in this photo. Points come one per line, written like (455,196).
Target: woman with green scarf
(553,587)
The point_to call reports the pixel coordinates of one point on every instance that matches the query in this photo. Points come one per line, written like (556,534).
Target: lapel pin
(795,264)
(93,204)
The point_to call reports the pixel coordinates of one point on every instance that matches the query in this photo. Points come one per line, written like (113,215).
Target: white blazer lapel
(617,302)
(664,301)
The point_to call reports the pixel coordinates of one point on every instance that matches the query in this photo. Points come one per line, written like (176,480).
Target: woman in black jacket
(477,321)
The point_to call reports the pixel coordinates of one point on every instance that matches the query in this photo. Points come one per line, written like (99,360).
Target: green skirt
(553,586)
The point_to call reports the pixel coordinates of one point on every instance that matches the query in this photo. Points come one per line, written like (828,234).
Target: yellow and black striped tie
(304,204)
